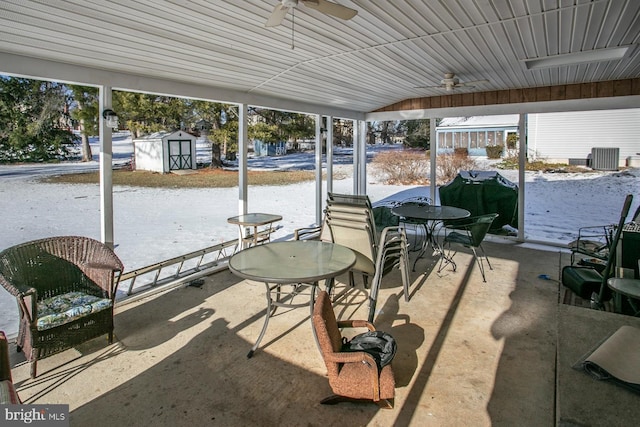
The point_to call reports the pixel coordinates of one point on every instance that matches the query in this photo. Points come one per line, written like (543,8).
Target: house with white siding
(475,133)
(567,137)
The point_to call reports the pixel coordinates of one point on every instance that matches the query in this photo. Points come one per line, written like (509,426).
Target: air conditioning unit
(604,158)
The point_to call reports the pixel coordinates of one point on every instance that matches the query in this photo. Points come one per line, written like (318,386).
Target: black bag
(378,344)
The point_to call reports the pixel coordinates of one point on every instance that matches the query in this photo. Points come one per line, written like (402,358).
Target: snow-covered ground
(152,225)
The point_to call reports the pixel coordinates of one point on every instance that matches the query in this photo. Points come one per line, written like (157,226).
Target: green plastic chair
(469,234)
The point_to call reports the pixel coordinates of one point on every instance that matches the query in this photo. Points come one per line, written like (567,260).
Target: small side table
(254,220)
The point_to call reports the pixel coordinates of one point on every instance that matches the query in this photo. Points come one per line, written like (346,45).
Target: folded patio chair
(353,214)
(353,376)
(349,199)
(354,226)
(360,238)
(341,205)
(393,253)
(588,281)
(350,221)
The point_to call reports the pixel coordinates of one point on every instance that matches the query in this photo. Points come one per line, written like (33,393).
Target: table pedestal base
(277,297)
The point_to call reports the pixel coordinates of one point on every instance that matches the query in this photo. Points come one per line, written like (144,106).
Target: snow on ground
(152,225)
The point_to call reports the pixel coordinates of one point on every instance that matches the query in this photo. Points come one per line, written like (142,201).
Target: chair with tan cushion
(353,376)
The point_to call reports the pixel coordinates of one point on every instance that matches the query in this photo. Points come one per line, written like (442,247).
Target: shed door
(180,154)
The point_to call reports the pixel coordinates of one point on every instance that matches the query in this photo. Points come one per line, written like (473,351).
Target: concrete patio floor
(469,353)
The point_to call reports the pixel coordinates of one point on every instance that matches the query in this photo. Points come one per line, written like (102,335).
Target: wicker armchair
(65,289)
(353,376)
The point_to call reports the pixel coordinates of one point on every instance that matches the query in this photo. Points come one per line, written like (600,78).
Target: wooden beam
(605,89)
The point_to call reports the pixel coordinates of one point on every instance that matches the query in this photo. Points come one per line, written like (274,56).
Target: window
(456,139)
(491,137)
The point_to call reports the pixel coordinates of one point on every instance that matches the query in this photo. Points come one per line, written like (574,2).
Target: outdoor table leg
(279,302)
(266,322)
(438,249)
(429,239)
(424,246)
(617,302)
(445,259)
(312,301)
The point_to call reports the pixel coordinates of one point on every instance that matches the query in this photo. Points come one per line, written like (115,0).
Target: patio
(495,353)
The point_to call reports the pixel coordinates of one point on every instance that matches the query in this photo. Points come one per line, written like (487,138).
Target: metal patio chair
(469,233)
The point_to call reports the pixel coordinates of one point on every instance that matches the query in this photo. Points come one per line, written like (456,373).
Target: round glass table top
(302,261)
(430,212)
(254,219)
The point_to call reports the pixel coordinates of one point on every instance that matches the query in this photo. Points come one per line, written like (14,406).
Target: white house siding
(558,137)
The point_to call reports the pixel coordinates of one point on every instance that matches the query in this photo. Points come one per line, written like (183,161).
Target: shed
(165,152)
(261,148)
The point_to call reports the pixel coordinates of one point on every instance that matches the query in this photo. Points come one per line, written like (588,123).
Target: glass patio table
(298,265)
(430,216)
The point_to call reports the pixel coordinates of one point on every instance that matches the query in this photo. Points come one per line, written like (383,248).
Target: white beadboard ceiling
(376,59)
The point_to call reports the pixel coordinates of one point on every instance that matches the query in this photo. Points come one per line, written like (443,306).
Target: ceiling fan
(323,6)
(451,82)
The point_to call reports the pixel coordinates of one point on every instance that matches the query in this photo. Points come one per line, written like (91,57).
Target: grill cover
(483,192)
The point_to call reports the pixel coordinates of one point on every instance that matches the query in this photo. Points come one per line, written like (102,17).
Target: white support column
(359,157)
(318,165)
(522,160)
(362,188)
(106,171)
(329,142)
(243,151)
(356,158)
(433,155)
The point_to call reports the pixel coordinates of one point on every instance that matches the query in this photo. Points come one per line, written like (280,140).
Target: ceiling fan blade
(330,8)
(472,83)
(277,16)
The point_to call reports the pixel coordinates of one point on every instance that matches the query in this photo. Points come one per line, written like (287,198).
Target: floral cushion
(8,395)
(65,308)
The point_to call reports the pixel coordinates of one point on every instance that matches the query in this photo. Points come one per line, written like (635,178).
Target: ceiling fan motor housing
(449,80)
